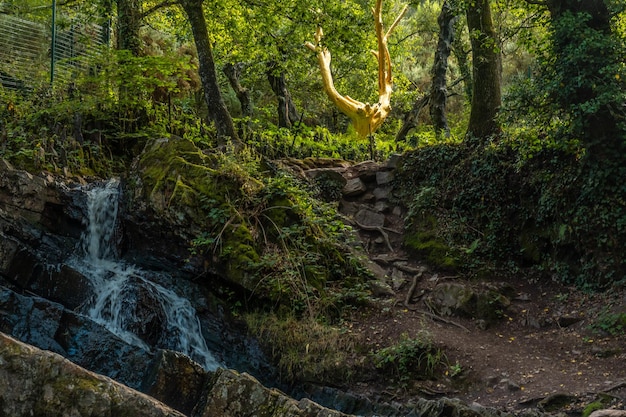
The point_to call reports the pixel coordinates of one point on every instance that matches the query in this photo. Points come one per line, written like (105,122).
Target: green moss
(240,255)
(427,243)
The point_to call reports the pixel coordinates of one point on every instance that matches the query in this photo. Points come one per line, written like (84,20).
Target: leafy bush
(410,358)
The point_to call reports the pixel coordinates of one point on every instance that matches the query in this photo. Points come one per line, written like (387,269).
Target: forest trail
(546,349)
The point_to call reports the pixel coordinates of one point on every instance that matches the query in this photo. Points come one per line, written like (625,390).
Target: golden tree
(365,117)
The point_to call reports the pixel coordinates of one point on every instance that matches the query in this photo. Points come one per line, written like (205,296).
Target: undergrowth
(497,209)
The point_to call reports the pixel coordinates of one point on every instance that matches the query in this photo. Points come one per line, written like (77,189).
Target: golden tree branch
(365,117)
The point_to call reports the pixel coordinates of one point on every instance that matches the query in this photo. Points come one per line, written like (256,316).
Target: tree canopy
(526,79)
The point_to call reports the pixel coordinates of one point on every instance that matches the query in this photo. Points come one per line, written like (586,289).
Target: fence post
(54,41)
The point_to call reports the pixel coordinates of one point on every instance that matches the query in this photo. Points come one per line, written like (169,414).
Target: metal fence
(33,53)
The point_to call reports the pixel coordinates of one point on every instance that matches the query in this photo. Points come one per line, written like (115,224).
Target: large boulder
(38,383)
(232,394)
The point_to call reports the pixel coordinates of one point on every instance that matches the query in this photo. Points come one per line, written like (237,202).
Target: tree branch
(365,117)
(166,3)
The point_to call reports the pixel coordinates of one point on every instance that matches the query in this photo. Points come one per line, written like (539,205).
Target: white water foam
(117,285)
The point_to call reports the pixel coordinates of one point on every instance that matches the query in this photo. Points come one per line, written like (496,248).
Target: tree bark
(129,23)
(218,113)
(233,73)
(486,73)
(287,112)
(365,117)
(411,118)
(582,67)
(438,89)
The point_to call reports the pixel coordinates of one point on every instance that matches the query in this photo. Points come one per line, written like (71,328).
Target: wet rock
(32,320)
(41,383)
(90,345)
(8,249)
(64,285)
(175,380)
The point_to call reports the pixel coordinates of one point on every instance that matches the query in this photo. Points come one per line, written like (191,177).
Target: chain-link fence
(33,53)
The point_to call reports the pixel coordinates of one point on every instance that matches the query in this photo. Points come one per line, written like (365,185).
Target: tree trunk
(287,112)
(233,72)
(438,89)
(586,68)
(411,118)
(486,73)
(218,113)
(129,23)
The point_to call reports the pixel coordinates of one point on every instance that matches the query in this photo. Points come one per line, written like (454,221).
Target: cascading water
(139,311)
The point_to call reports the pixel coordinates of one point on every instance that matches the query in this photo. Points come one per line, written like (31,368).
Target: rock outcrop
(37,383)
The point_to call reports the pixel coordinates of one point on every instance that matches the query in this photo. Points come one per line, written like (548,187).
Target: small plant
(611,323)
(305,349)
(454,370)
(410,358)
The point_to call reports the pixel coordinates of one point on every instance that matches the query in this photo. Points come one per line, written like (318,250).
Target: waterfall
(125,301)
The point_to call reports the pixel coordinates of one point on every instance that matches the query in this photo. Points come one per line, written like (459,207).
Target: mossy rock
(433,248)
(194,190)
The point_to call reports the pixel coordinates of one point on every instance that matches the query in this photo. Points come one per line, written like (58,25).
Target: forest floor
(549,346)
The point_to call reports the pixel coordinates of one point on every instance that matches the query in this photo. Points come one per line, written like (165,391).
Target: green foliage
(574,97)
(303,142)
(258,226)
(501,208)
(410,358)
(306,350)
(610,322)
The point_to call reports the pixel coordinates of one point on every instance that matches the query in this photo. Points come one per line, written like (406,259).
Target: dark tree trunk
(233,72)
(486,73)
(218,113)
(438,89)
(129,23)
(461,53)
(582,66)
(411,118)
(287,112)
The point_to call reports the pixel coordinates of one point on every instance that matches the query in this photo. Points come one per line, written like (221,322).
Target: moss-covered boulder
(240,218)
(197,196)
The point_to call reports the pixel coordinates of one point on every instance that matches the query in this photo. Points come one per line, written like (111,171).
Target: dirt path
(543,345)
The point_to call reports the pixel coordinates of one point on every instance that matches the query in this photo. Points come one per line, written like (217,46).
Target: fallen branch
(409,294)
(380,229)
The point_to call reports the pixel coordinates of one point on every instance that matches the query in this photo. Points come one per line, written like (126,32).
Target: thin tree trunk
(218,113)
(287,112)
(233,72)
(411,118)
(129,23)
(486,69)
(438,89)
(461,53)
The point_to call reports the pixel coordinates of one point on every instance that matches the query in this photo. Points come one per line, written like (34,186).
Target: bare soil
(548,342)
